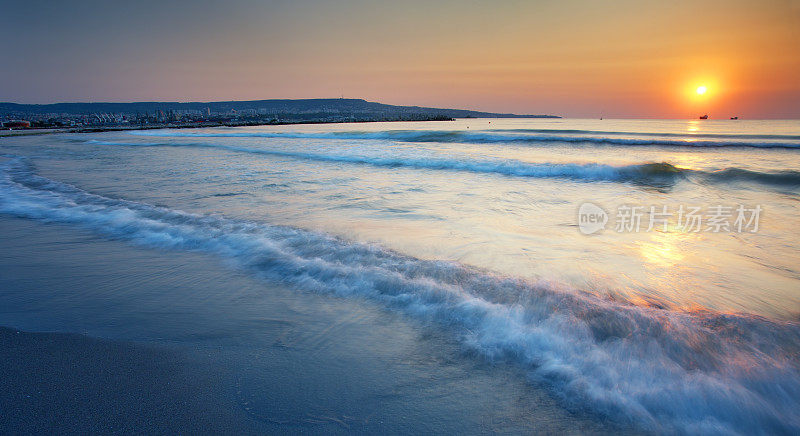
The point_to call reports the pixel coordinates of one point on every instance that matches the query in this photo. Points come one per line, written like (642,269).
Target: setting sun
(701,90)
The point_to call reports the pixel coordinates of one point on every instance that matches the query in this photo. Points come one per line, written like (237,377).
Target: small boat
(734,118)
(704,117)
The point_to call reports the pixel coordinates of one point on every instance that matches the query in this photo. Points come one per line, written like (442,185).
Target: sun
(701,90)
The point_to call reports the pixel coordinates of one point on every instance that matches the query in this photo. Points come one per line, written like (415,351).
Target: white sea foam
(662,370)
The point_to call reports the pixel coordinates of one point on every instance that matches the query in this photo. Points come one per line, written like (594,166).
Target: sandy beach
(193,346)
(56,383)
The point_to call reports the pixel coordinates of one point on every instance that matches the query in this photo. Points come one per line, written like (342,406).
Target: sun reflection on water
(663,249)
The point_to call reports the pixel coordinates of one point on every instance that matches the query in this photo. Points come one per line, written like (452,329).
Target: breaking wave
(592,171)
(786,178)
(655,134)
(487,137)
(647,173)
(662,370)
(651,173)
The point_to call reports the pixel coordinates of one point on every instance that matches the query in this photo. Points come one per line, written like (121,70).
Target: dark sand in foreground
(197,347)
(54,382)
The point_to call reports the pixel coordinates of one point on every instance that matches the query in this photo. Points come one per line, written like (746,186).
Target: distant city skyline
(575,58)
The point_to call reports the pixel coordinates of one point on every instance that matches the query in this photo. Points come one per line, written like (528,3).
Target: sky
(576,58)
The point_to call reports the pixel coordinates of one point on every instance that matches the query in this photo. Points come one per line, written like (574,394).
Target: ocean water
(472,228)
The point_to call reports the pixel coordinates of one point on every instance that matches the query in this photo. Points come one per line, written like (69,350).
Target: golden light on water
(663,250)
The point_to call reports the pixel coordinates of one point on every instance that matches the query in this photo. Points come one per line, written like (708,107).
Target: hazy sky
(574,58)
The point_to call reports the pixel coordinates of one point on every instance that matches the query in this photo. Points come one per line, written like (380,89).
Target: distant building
(16,124)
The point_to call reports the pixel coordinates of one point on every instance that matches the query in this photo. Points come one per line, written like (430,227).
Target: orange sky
(574,58)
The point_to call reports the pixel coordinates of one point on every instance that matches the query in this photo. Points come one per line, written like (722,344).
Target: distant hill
(338,106)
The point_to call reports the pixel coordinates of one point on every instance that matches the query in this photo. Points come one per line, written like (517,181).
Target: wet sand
(53,383)
(191,345)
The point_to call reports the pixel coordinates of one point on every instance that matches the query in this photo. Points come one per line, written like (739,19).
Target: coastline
(47,131)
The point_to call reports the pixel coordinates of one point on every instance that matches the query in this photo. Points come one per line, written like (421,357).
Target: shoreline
(171,336)
(47,131)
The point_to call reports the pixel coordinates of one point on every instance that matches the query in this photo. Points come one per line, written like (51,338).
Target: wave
(786,178)
(647,173)
(661,370)
(486,137)
(655,134)
(656,174)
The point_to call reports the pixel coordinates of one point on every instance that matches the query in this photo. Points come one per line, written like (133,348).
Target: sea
(476,275)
